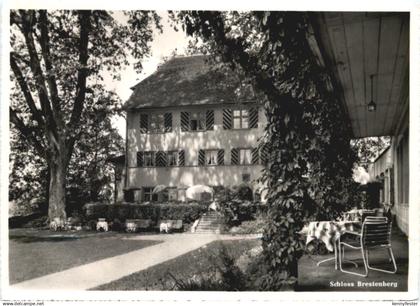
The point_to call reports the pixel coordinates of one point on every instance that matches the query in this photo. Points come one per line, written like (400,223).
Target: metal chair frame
(376,233)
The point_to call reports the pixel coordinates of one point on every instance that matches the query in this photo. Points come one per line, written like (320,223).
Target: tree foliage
(307,136)
(369,148)
(58,59)
(89,173)
(27,177)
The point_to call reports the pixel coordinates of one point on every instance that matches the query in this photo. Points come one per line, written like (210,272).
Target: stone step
(212,217)
(207,228)
(217,231)
(210,222)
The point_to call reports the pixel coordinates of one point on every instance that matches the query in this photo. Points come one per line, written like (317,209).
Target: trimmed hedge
(169,211)
(34,220)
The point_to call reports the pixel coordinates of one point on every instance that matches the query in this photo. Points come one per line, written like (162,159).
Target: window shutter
(185,121)
(140,159)
(254,154)
(227,119)
(234,157)
(264,154)
(144,123)
(209,120)
(201,157)
(161,160)
(221,157)
(253,117)
(181,158)
(168,122)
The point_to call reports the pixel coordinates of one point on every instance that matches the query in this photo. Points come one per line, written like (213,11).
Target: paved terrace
(326,278)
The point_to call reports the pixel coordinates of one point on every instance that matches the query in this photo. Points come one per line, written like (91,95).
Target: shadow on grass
(55,238)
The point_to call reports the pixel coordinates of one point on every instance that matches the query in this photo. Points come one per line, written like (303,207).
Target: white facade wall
(191,142)
(380,166)
(401,174)
(392,170)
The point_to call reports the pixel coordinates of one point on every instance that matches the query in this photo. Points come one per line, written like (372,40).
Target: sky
(163,45)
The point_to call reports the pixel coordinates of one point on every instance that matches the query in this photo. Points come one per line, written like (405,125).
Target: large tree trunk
(57,191)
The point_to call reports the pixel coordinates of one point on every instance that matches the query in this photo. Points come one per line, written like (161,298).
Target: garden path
(110,269)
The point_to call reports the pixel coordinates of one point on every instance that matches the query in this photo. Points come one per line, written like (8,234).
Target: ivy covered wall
(309,171)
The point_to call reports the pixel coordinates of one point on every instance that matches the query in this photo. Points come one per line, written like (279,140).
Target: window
(245,157)
(160,158)
(149,159)
(157,123)
(197,121)
(240,119)
(173,158)
(148,195)
(211,157)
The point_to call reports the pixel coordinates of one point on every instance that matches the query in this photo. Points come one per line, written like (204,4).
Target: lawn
(186,267)
(34,253)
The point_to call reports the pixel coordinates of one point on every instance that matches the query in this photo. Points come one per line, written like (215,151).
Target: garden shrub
(252,226)
(236,211)
(227,276)
(155,212)
(242,192)
(220,193)
(23,221)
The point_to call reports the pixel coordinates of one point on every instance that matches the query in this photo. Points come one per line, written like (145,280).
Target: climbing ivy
(309,168)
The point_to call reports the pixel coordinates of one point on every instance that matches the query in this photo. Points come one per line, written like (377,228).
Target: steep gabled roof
(190,80)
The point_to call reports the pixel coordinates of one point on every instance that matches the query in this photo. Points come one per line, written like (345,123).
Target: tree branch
(28,132)
(46,54)
(27,28)
(15,19)
(85,27)
(26,92)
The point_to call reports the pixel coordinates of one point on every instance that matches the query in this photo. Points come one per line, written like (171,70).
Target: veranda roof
(358,45)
